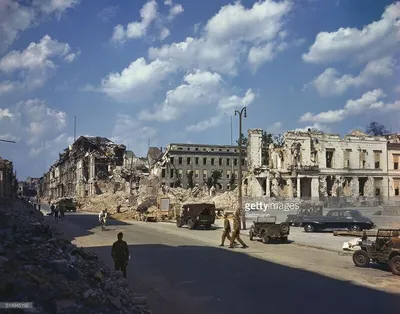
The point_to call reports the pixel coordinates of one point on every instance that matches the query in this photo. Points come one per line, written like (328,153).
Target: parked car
(196,215)
(380,251)
(267,229)
(337,219)
(295,219)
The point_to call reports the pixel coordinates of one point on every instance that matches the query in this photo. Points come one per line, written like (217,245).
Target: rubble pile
(227,201)
(108,201)
(37,266)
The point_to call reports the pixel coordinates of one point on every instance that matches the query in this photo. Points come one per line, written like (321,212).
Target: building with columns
(313,165)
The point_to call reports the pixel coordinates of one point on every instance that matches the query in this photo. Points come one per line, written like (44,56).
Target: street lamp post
(7,141)
(242,213)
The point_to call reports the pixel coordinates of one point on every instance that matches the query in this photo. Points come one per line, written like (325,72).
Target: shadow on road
(201,279)
(227,282)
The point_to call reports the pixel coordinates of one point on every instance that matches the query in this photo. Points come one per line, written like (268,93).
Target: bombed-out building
(196,162)
(313,165)
(8,180)
(81,166)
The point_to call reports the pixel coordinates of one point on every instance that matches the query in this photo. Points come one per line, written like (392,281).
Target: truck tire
(309,228)
(284,228)
(178,222)
(394,264)
(361,258)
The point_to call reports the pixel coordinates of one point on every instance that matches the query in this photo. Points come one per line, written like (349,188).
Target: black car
(337,219)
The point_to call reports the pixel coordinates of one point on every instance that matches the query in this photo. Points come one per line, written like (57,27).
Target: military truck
(196,215)
(67,204)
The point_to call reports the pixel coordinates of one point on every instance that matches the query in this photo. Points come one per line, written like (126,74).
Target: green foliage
(376,129)
(245,141)
(232,182)
(190,180)
(212,180)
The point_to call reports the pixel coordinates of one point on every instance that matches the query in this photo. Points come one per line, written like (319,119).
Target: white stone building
(317,165)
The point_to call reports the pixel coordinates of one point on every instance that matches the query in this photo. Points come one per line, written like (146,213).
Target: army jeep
(381,251)
(267,229)
(196,215)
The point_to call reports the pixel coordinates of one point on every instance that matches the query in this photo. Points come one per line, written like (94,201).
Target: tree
(189,176)
(279,141)
(232,182)
(376,129)
(245,141)
(266,140)
(212,180)
(178,180)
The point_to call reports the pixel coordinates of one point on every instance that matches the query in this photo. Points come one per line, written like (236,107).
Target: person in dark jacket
(120,254)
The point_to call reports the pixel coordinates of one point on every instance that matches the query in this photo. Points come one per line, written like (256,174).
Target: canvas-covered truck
(67,204)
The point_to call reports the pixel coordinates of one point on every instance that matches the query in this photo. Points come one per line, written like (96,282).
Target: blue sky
(174,71)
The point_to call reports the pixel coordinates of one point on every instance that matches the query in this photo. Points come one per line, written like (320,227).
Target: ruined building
(8,180)
(314,165)
(393,163)
(181,160)
(81,166)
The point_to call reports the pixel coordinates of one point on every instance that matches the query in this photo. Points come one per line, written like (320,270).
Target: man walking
(227,231)
(120,254)
(236,232)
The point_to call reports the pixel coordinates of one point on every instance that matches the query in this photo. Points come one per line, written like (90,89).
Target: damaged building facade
(313,165)
(8,180)
(393,163)
(81,167)
(180,160)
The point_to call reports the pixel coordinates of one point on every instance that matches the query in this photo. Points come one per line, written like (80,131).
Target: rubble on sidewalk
(38,266)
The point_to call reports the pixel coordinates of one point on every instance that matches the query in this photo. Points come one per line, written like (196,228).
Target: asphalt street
(186,272)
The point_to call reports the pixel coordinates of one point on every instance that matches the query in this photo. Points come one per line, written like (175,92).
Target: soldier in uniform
(394,242)
(120,254)
(236,232)
(227,231)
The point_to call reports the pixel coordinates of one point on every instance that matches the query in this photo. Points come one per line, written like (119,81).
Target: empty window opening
(329,159)
(361,186)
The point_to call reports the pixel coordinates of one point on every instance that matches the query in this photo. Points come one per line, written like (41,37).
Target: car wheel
(265,238)
(309,228)
(394,264)
(251,235)
(190,224)
(361,258)
(354,228)
(284,228)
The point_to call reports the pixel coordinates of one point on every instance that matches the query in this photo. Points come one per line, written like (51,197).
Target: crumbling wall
(369,187)
(323,191)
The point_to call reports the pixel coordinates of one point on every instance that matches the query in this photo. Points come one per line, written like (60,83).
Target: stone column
(315,188)
(298,187)
(355,187)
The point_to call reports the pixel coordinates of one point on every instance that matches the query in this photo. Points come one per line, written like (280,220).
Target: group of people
(235,232)
(59,213)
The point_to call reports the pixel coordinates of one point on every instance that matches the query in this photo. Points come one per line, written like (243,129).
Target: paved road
(183,271)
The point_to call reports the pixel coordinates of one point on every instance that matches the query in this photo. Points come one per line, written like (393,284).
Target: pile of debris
(37,266)
(110,201)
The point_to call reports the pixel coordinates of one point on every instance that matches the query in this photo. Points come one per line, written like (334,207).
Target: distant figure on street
(56,212)
(52,209)
(120,254)
(236,232)
(227,231)
(62,213)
